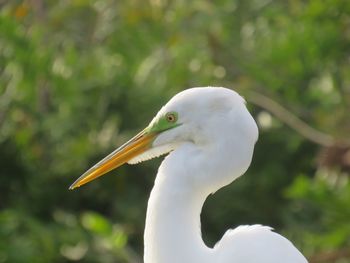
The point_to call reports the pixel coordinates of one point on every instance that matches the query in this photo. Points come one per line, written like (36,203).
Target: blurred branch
(273,107)
(331,256)
(293,121)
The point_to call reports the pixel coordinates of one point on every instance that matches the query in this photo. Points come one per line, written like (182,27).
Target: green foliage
(78,78)
(65,238)
(323,199)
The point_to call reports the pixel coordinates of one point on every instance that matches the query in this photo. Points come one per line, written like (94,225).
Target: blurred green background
(79,77)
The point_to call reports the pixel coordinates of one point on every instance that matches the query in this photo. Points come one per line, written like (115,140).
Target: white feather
(152,153)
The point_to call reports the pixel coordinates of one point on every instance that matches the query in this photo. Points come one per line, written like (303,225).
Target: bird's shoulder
(256,243)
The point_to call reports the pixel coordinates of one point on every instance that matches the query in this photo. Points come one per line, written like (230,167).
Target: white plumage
(210,136)
(212,147)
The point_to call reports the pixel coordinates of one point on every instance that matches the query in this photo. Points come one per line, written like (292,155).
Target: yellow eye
(171,117)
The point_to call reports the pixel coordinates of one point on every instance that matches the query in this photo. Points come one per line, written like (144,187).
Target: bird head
(194,116)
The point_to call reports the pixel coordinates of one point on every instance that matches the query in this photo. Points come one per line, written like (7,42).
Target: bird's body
(210,136)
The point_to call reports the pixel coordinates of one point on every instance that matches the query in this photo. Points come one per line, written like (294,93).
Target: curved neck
(173,229)
(184,180)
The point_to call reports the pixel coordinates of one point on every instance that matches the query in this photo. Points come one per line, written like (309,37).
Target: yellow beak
(137,145)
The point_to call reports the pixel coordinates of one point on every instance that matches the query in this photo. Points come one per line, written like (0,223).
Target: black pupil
(171,118)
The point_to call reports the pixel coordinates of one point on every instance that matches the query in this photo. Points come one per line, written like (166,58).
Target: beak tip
(72,187)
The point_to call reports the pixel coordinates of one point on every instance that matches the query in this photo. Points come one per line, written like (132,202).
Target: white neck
(184,180)
(173,230)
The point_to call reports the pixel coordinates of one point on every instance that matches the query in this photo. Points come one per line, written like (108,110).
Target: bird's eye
(171,117)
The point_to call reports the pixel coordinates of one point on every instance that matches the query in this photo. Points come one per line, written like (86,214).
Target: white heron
(210,137)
